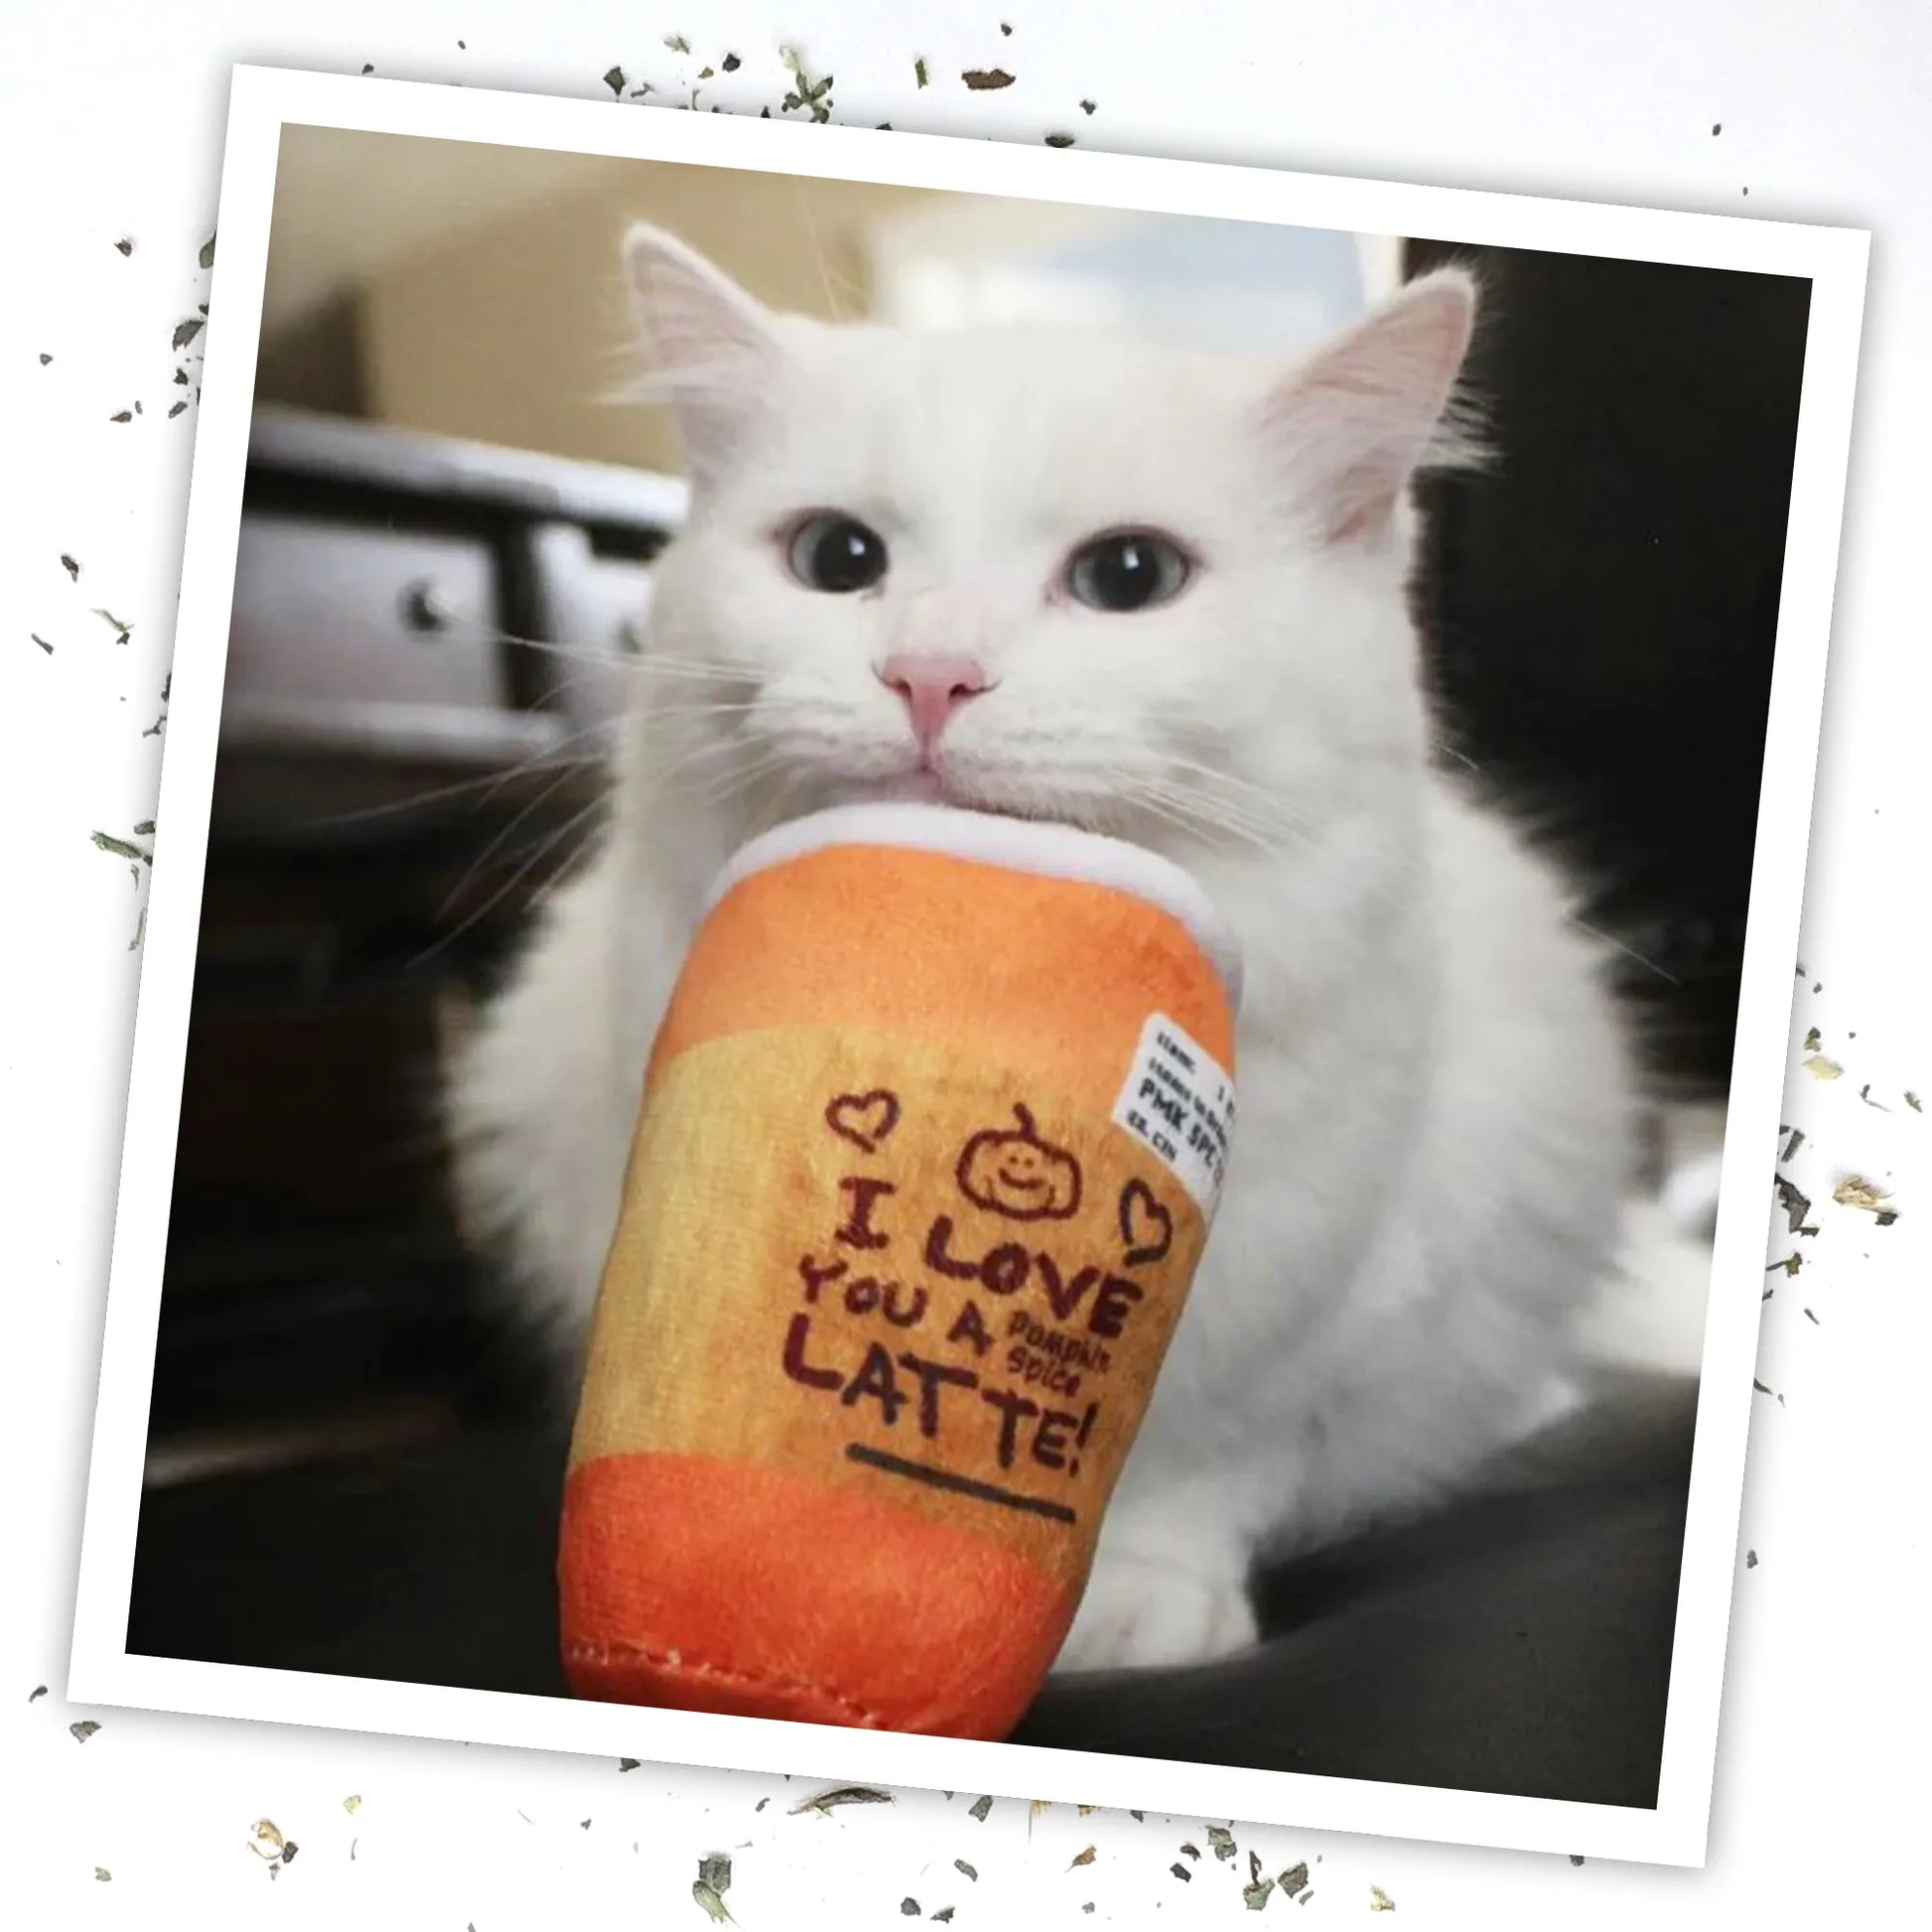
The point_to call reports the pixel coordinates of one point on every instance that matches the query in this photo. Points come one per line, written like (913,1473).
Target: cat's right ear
(711,348)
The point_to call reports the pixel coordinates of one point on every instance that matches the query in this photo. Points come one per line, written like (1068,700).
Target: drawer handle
(429,606)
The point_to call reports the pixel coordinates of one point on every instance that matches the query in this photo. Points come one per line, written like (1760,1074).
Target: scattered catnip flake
(352,1804)
(1088,1907)
(1255,1896)
(1790,1263)
(122,416)
(267,1832)
(1813,1041)
(1139,1817)
(919,71)
(843,1794)
(1221,1841)
(176,412)
(1193,1851)
(82,1731)
(1813,1320)
(180,378)
(108,842)
(72,568)
(42,641)
(944,1916)
(1182,1873)
(583,1824)
(637,93)
(1379,1901)
(628,1764)
(1087,106)
(1855,1191)
(1059,140)
(1081,1857)
(369,66)
(185,332)
(714,1868)
(140,927)
(677,43)
(909,1907)
(960,1864)
(45,358)
(206,256)
(979,1808)
(124,629)
(614,79)
(154,730)
(1750,1563)
(1004,28)
(705,74)
(981,79)
(289,1851)
(1795,1204)
(731,63)
(1716,127)
(37,1692)
(713,1906)
(1791,1146)
(1295,1878)
(1085,1811)
(126,246)
(1033,1811)
(102,1874)
(137,408)
(1912,1101)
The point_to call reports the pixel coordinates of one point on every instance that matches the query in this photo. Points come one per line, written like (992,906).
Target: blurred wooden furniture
(402,769)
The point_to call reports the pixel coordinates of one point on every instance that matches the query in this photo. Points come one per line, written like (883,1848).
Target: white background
(113,128)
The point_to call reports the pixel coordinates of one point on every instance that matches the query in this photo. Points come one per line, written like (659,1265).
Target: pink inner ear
(1353,422)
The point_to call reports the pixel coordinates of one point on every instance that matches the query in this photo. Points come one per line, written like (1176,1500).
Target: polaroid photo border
(264,103)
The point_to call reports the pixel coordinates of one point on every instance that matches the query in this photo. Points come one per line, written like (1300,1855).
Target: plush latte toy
(931,1138)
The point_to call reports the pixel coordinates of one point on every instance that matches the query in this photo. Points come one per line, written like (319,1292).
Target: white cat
(1161,593)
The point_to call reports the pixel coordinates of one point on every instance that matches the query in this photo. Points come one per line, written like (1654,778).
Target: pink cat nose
(932,687)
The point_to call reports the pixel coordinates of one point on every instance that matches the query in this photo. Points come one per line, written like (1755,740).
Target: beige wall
(512,327)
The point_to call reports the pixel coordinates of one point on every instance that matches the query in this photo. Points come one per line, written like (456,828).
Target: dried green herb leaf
(843,1794)
(1791,1146)
(180,378)
(45,358)
(1087,106)
(122,416)
(1379,1901)
(1193,1851)
(909,1907)
(637,93)
(944,1916)
(369,66)
(72,568)
(1004,28)
(37,1692)
(125,629)
(185,332)
(178,408)
(1182,1873)
(108,842)
(1082,1858)
(82,1731)
(919,71)
(1822,1068)
(1790,1263)
(268,1833)
(713,1906)
(102,1874)
(1038,1806)
(1139,1817)
(1221,1841)
(731,63)
(1813,1041)
(1795,1204)
(960,1864)
(614,79)
(705,74)
(126,246)
(352,1804)
(979,1808)
(42,641)
(1855,1191)
(715,1870)
(1912,1101)
(1059,140)
(677,43)
(206,256)
(1295,1878)
(140,927)
(982,80)
(1255,1896)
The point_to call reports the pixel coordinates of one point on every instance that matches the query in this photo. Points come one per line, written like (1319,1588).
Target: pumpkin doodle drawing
(863,1119)
(1018,1174)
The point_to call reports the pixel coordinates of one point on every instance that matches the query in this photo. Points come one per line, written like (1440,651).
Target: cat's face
(1060,575)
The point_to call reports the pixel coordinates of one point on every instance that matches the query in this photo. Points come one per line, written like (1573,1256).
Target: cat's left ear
(1352,424)
(713,348)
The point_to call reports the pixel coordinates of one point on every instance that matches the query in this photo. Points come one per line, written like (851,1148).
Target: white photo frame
(264,102)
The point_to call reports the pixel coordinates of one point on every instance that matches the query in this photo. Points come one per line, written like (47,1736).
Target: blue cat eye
(1128,569)
(831,551)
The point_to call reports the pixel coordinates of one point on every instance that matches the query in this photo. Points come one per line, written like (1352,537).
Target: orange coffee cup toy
(931,1137)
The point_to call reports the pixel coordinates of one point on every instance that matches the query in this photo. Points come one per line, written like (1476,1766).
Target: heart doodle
(863,1119)
(1145,1225)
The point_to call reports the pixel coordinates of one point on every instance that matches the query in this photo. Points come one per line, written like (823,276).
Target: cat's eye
(1126,570)
(835,552)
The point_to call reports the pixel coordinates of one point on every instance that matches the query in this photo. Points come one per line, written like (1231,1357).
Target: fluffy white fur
(1434,1147)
